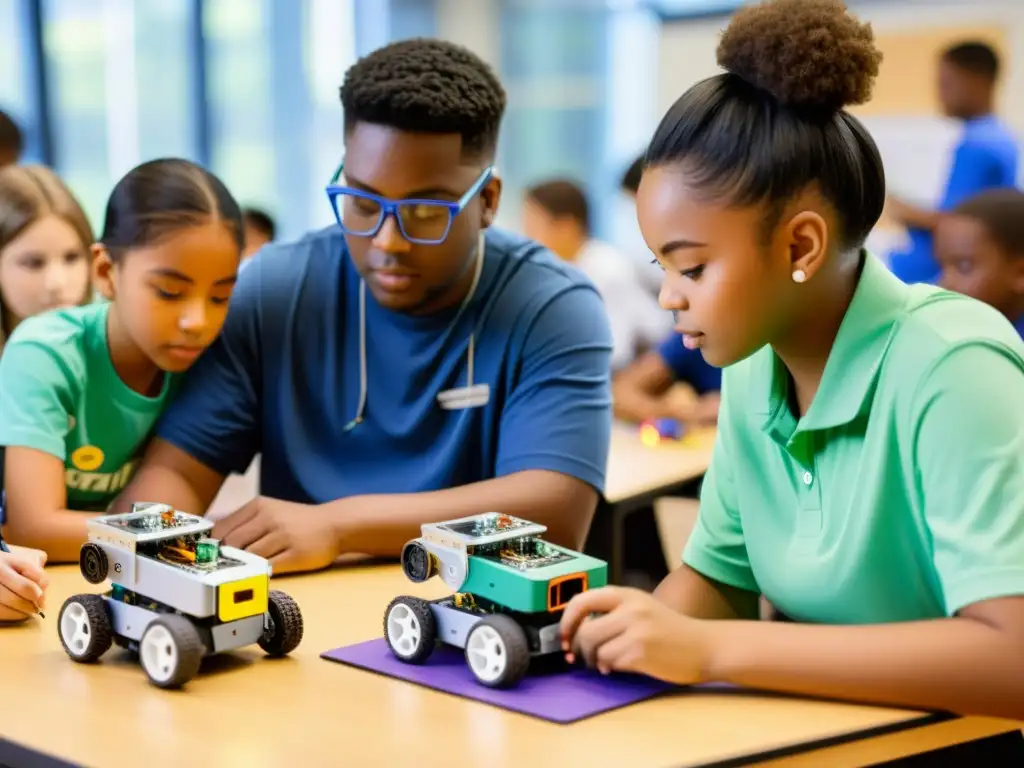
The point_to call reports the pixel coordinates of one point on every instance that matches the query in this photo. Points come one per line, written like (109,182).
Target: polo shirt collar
(853,365)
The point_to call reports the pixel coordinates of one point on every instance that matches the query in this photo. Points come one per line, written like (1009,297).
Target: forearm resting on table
(693,594)
(60,533)
(380,525)
(961,665)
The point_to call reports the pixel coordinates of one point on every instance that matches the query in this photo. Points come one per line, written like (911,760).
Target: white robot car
(176,596)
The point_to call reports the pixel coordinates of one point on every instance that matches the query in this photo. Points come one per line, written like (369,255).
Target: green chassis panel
(526,590)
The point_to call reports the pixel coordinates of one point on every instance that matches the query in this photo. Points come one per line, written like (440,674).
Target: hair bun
(805,53)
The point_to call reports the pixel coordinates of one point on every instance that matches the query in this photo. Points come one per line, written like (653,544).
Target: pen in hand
(5,548)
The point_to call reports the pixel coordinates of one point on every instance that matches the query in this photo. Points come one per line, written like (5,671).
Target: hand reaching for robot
(293,537)
(22,583)
(621,629)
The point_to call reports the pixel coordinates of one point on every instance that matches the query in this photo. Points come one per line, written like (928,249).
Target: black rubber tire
(285,631)
(101,631)
(428,629)
(515,648)
(188,644)
(93,563)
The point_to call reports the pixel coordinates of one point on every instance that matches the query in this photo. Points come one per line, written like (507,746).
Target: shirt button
(807,478)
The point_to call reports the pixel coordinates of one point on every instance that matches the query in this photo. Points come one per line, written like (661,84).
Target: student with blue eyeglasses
(411,364)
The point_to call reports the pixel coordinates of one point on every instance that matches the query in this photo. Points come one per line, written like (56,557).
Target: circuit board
(184,553)
(152,523)
(523,553)
(201,568)
(483,526)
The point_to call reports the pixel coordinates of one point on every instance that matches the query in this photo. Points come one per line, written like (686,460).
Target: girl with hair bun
(868,474)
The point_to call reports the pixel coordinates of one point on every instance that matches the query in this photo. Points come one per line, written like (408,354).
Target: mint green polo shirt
(899,495)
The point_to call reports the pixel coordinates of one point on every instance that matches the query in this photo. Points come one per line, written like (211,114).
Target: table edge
(914,720)
(16,755)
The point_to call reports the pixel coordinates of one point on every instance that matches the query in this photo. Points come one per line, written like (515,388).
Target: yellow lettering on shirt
(99,482)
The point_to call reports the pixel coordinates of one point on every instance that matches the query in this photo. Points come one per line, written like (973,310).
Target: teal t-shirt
(60,394)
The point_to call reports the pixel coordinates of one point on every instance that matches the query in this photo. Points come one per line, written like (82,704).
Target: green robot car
(510,588)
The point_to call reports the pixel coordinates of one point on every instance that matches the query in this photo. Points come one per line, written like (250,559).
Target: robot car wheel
(497,651)
(410,629)
(284,631)
(85,628)
(171,651)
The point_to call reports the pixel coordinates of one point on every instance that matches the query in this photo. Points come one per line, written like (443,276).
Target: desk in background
(637,476)
(246,709)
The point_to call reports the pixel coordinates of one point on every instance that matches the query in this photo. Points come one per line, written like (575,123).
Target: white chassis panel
(194,594)
(130,622)
(453,628)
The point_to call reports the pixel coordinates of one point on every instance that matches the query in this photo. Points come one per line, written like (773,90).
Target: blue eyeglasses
(427,222)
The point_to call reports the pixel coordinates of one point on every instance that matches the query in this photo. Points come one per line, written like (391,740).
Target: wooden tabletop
(245,709)
(635,469)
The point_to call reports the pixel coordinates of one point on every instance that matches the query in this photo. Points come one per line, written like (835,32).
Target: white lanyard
(469,396)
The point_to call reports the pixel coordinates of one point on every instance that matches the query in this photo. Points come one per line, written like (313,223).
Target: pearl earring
(799,276)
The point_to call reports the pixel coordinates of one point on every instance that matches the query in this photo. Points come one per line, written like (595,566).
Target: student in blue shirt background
(408,365)
(987,155)
(646,389)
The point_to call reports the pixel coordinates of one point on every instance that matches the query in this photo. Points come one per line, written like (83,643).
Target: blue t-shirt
(986,158)
(283,379)
(689,365)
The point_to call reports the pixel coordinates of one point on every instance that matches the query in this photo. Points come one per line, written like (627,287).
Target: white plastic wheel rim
(159,653)
(75,629)
(404,630)
(486,654)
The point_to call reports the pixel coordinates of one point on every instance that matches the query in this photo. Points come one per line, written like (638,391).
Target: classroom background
(250,88)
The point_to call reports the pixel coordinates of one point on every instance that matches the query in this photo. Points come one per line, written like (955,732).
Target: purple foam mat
(562,696)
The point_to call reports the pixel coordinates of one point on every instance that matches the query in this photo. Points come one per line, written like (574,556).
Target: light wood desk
(638,472)
(245,709)
(637,475)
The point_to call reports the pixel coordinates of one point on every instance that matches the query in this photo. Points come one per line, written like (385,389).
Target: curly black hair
(427,86)
(774,123)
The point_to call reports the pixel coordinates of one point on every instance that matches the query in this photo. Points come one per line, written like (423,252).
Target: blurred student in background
(12,143)
(986,157)
(669,382)
(260,229)
(557,215)
(980,249)
(44,246)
